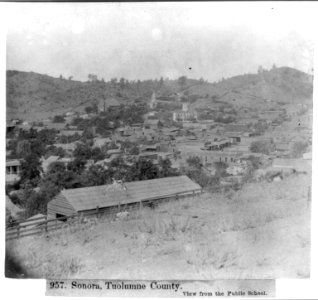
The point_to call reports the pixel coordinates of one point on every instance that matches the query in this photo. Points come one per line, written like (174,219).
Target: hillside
(32,96)
(261,231)
(277,86)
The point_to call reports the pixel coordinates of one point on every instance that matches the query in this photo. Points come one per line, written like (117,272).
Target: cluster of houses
(187,136)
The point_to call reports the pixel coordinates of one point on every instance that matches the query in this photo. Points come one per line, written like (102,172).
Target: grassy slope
(280,85)
(262,231)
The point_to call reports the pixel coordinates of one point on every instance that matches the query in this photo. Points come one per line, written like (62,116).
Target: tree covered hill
(32,96)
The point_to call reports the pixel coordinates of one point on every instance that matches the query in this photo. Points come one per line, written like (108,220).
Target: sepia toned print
(162,141)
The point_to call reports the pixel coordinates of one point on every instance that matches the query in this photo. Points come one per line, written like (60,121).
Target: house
(13,170)
(84,116)
(184,115)
(125,131)
(235,137)
(112,104)
(114,153)
(136,125)
(149,148)
(70,147)
(307,155)
(149,155)
(116,197)
(56,126)
(217,145)
(151,123)
(13,166)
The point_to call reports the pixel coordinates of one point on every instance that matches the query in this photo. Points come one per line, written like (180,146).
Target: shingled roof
(88,198)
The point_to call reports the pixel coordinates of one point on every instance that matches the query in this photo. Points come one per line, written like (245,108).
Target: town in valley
(172,176)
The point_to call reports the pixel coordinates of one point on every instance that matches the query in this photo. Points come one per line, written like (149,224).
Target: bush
(203,179)
(298,148)
(265,147)
(194,162)
(59,119)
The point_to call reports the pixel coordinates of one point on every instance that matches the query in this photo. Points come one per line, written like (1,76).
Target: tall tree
(31,169)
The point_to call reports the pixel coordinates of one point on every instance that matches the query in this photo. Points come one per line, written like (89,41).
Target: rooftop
(12,163)
(131,192)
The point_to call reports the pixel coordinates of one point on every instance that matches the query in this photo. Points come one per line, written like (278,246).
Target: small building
(234,137)
(149,155)
(70,147)
(114,153)
(13,166)
(111,104)
(307,155)
(149,148)
(218,145)
(151,124)
(184,116)
(120,196)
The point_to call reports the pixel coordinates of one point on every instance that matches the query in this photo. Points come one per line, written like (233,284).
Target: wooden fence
(40,225)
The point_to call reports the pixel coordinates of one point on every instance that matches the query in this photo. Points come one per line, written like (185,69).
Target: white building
(184,115)
(153,101)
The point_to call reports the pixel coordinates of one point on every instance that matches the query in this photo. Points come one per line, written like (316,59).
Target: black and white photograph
(158,141)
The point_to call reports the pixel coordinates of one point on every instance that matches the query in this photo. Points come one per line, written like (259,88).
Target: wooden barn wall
(136,205)
(59,205)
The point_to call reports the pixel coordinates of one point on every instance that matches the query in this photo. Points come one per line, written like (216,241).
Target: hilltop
(32,96)
(279,86)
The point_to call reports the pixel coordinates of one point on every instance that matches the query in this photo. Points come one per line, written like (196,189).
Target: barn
(117,197)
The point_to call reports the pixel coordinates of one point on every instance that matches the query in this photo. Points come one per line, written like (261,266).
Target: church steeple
(153,101)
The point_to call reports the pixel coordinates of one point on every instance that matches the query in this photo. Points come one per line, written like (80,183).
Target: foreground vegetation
(260,231)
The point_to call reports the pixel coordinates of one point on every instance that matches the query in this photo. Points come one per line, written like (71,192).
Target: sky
(150,40)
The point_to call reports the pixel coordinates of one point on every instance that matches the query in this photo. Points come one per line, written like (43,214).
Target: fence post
(309,196)
(97,211)
(46,224)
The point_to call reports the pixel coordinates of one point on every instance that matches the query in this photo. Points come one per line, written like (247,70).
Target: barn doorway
(62,218)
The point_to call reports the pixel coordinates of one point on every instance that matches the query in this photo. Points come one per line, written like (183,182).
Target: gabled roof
(88,198)
(12,163)
(151,122)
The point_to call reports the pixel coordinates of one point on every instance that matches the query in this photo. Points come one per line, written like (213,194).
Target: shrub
(59,119)
(298,148)
(264,147)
